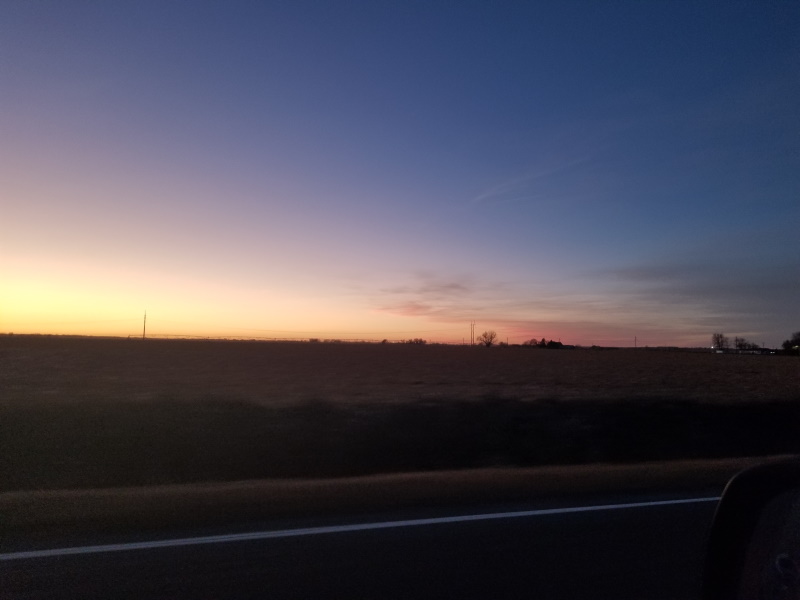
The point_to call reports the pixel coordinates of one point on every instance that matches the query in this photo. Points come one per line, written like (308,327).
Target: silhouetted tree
(720,340)
(793,343)
(487,338)
(741,343)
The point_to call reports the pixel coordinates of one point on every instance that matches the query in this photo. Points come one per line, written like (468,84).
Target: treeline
(720,341)
(551,345)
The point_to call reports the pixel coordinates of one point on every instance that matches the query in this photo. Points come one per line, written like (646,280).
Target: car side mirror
(754,542)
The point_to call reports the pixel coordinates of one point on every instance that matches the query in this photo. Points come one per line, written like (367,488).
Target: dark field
(95,412)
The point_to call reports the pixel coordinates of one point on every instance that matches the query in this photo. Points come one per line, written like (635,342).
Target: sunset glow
(592,173)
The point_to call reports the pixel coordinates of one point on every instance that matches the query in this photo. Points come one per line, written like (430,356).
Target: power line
(339,332)
(313,332)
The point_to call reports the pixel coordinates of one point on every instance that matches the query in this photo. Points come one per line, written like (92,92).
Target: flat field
(99,412)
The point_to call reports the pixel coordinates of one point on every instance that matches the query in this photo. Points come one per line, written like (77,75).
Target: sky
(602,173)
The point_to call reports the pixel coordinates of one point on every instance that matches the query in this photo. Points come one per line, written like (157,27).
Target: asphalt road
(634,552)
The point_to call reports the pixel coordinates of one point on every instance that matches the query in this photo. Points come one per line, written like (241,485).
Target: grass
(27,514)
(79,413)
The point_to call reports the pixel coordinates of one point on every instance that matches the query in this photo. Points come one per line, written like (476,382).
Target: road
(640,551)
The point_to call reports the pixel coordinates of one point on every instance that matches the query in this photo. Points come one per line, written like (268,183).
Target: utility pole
(144,325)
(472,333)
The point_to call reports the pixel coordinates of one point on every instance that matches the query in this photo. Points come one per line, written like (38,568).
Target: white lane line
(285,533)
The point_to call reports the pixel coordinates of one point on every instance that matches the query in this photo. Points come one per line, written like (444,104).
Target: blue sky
(575,170)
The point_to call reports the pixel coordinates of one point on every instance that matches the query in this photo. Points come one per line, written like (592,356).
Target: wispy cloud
(661,302)
(730,294)
(518,310)
(531,185)
(426,294)
(429,286)
(571,160)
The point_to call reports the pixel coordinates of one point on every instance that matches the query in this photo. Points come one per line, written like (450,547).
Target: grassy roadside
(179,425)
(220,504)
(94,444)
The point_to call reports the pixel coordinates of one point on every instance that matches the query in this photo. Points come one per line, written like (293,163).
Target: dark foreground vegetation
(91,445)
(95,413)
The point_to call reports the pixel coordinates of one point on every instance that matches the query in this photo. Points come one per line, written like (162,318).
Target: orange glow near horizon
(68,299)
(98,301)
